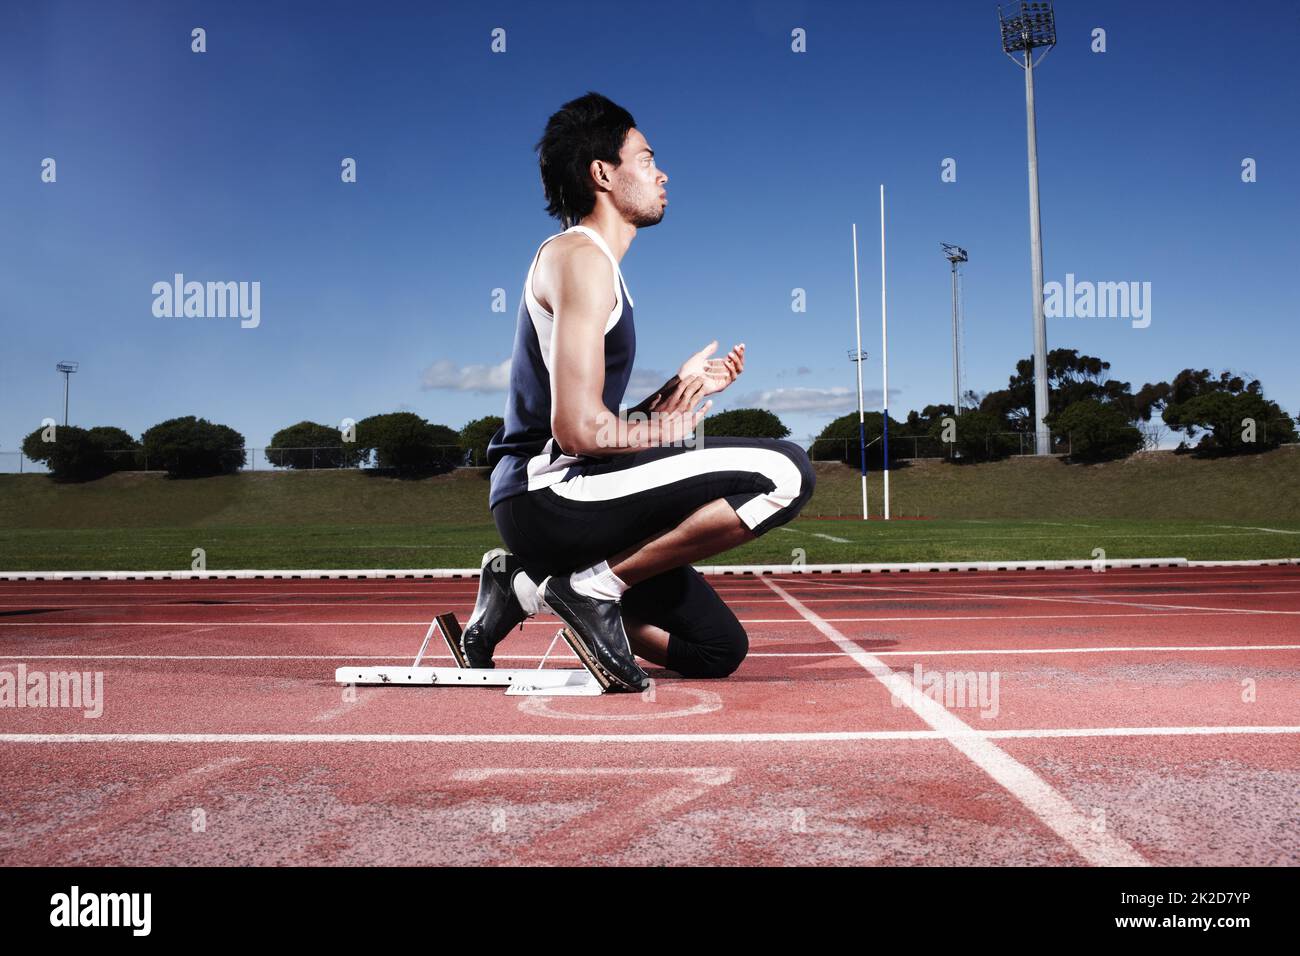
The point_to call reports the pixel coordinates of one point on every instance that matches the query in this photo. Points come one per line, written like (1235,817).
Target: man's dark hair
(589,128)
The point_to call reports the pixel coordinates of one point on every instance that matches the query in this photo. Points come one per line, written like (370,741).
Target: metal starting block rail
(541,681)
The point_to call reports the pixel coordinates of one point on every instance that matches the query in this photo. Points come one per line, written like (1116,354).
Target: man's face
(638,184)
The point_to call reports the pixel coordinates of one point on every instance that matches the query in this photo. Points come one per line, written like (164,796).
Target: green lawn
(460,546)
(1149,506)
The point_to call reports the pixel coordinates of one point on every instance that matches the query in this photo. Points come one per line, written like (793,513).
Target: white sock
(530,598)
(599,582)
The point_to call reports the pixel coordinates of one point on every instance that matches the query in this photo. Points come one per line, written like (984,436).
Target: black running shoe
(496,611)
(598,626)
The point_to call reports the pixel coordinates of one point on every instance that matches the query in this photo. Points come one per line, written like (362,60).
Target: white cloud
(444,373)
(837,399)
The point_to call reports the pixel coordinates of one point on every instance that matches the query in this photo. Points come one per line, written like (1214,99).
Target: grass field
(1150,506)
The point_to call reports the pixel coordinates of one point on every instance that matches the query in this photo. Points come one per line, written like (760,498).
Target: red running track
(1125,717)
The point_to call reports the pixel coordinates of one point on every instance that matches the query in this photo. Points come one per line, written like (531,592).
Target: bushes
(744,423)
(975,436)
(839,441)
(311,445)
(192,447)
(79,454)
(1232,424)
(404,442)
(474,437)
(1097,431)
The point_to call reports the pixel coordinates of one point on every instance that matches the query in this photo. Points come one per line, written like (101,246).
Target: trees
(192,447)
(1232,415)
(745,423)
(406,443)
(474,437)
(1097,431)
(976,435)
(80,454)
(312,445)
(1071,377)
(838,441)
(919,424)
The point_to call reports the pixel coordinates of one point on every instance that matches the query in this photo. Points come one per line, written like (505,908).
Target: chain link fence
(917,447)
(902,448)
(260,459)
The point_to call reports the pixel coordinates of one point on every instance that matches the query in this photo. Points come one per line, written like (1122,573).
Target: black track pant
(612,504)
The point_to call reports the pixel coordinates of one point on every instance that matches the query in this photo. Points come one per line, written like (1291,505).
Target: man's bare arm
(648,403)
(578,284)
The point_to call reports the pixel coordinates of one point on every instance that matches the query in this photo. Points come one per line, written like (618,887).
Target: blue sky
(377,296)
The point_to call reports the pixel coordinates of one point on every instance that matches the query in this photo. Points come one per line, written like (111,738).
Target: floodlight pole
(67,368)
(1031,25)
(955,255)
(956,355)
(1044,437)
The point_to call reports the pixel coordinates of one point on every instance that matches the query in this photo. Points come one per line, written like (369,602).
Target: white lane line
(1183,649)
(1151,605)
(713,776)
(931,652)
(1094,600)
(832,736)
(1269,530)
(952,583)
(1035,793)
(468,602)
(1049,733)
(442,587)
(954,588)
(212,625)
(816,534)
(932,594)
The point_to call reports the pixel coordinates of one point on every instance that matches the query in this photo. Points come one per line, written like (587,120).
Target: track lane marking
(468,601)
(211,625)
(930,652)
(830,736)
(1035,793)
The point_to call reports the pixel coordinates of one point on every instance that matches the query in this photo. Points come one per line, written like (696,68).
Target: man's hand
(679,395)
(717,373)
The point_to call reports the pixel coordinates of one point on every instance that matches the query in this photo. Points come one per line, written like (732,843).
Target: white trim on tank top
(543,321)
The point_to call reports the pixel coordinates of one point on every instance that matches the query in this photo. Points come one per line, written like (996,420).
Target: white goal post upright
(857,357)
(884,350)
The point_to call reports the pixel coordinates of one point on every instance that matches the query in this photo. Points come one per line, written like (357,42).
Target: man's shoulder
(572,260)
(572,248)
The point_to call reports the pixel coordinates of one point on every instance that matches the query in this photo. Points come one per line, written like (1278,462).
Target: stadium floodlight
(67,368)
(955,255)
(1027,27)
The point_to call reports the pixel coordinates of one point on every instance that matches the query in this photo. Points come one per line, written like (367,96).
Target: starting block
(539,681)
